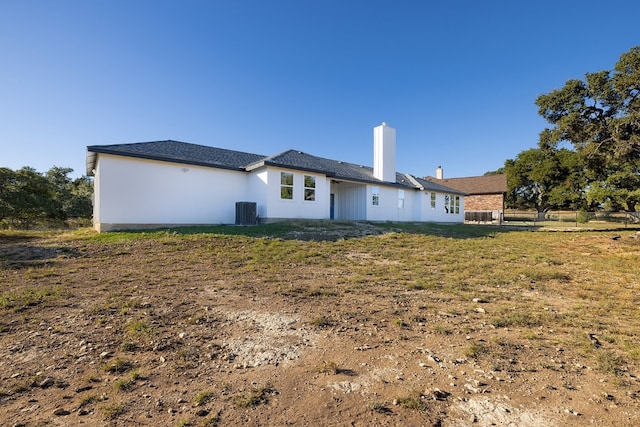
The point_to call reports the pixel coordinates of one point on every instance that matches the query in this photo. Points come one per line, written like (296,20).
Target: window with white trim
(400,199)
(286,185)
(375,195)
(309,188)
(451,204)
(433,200)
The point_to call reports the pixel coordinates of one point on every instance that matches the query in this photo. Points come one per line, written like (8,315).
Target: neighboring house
(485,194)
(171,183)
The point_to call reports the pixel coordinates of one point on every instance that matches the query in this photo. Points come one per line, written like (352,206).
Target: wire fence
(578,219)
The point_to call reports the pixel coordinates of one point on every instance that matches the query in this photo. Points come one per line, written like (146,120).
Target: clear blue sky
(457,79)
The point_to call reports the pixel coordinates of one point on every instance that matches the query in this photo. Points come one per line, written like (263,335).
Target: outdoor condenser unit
(246,213)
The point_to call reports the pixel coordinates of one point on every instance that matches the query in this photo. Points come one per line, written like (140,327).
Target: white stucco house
(171,183)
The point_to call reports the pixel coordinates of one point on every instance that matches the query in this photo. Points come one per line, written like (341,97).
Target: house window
(309,188)
(433,200)
(286,185)
(400,199)
(375,195)
(451,204)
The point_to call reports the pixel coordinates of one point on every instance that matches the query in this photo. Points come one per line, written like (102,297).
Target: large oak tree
(600,117)
(545,179)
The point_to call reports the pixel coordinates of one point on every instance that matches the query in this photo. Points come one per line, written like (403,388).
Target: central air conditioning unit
(246,213)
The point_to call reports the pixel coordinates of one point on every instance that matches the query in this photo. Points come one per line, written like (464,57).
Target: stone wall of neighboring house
(484,202)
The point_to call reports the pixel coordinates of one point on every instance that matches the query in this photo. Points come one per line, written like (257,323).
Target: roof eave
(99,150)
(91,163)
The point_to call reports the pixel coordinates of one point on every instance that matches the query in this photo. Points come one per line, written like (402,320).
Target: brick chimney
(384,153)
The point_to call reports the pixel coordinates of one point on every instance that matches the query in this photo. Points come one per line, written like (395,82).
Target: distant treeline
(29,198)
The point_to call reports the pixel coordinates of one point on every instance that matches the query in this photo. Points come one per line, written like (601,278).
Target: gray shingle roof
(335,169)
(182,152)
(176,151)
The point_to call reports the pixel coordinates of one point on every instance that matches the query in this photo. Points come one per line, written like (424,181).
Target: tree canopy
(28,197)
(600,118)
(544,179)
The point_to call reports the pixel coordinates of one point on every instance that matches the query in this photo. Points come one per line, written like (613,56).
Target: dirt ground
(167,332)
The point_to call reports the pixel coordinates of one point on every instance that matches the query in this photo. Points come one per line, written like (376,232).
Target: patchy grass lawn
(316,323)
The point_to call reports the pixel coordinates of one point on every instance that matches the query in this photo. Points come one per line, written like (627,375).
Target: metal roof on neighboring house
(193,154)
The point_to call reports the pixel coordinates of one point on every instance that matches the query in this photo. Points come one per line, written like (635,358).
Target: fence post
(576,219)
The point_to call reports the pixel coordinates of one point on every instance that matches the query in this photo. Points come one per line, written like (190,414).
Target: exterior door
(331,205)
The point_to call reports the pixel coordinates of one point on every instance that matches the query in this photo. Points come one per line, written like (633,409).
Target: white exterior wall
(387,210)
(257,191)
(350,201)
(407,213)
(438,214)
(146,192)
(417,205)
(296,208)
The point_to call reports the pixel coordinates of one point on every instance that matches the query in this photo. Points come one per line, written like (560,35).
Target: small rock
(61,412)
(182,335)
(439,394)
(202,413)
(85,388)
(105,354)
(47,382)
(472,389)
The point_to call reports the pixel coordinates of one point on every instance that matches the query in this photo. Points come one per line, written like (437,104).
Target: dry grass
(511,304)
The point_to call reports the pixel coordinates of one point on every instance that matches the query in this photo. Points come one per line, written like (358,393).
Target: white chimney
(439,173)
(384,153)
